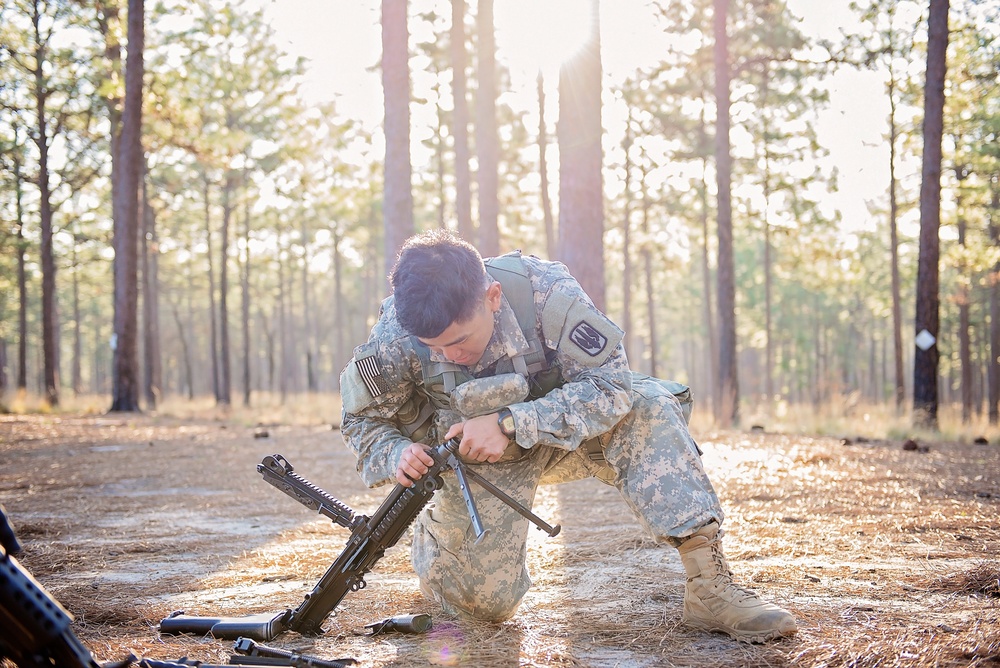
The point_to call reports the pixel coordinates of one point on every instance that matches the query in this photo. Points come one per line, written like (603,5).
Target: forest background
(265,218)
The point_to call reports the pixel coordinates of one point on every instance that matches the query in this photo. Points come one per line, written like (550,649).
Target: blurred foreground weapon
(35,628)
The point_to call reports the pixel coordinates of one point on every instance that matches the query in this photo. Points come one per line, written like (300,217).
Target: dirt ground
(887,554)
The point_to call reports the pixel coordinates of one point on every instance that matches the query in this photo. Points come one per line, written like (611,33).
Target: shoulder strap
(511,273)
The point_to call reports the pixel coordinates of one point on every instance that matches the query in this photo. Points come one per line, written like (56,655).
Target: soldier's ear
(494,295)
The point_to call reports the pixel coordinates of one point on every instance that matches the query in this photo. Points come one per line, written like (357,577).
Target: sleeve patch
(370,370)
(580,331)
(588,339)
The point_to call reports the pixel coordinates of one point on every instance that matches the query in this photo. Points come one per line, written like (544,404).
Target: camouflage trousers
(649,456)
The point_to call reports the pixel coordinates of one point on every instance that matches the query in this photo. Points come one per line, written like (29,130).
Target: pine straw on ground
(886,556)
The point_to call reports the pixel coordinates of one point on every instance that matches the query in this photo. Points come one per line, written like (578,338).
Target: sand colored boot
(713,602)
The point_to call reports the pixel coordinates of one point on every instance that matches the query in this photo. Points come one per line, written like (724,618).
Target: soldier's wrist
(508,427)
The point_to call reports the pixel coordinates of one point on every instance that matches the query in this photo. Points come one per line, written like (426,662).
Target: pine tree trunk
(626,323)
(543,171)
(22,282)
(42,139)
(126,380)
(224,395)
(245,302)
(397,205)
(340,323)
(897,299)
(307,316)
(76,373)
(213,356)
(963,297)
(151,301)
(729,394)
(925,361)
(487,144)
(993,369)
(463,178)
(581,193)
(647,260)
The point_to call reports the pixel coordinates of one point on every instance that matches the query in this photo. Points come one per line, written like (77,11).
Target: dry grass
(887,556)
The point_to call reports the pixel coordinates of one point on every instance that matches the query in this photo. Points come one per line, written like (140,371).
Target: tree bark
(626,322)
(897,299)
(42,139)
(993,368)
(125,390)
(307,316)
(706,279)
(647,261)
(487,144)
(581,191)
(340,323)
(397,205)
(543,171)
(150,301)
(925,362)
(729,394)
(22,277)
(245,302)
(76,364)
(213,356)
(963,297)
(463,178)
(224,395)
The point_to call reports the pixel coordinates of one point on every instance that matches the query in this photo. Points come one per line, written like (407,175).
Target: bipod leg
(552,531)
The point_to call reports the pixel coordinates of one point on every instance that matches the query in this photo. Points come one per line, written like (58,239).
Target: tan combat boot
(713,602)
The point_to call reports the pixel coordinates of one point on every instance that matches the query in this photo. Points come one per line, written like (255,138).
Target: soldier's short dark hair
(438,279)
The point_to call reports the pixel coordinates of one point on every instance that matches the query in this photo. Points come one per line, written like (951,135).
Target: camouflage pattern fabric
(623,428)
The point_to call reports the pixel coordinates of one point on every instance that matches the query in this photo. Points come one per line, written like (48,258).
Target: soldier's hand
(482,440)
(413,464)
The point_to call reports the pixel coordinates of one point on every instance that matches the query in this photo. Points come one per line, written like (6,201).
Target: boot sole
(746,637)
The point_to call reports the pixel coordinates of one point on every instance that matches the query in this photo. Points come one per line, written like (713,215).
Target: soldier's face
(465,342)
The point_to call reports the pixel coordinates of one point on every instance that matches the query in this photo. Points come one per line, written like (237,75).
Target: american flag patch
(371,373)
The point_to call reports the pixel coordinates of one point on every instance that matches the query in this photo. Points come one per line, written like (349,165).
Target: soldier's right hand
(413,464)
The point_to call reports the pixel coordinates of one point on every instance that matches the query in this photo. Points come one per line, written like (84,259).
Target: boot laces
(723,578)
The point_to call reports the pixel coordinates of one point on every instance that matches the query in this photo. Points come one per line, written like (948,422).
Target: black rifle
(35,628)
(370,538)
(248,653)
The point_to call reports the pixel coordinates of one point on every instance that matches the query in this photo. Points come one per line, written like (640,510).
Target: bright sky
(342,41)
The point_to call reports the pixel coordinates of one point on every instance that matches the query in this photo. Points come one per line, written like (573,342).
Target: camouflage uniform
(606,421)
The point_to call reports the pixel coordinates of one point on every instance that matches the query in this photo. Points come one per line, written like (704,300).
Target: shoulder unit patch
(588,338)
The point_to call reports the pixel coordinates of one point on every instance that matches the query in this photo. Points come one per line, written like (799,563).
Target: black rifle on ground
(249,653)
(370,537)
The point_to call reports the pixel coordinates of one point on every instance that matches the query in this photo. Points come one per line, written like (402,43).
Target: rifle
(370,538)
(36,628)
(248,653)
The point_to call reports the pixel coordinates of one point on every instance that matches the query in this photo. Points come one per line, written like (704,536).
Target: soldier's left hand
(482,440)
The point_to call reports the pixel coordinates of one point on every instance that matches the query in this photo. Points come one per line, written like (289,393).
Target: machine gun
(36,628)
(370,538)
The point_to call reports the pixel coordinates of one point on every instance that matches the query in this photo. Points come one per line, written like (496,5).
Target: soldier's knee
(495,606)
